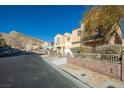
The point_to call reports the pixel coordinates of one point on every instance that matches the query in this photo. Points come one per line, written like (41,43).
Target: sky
(41,22)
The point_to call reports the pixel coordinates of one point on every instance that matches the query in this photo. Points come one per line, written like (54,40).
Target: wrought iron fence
(113,58)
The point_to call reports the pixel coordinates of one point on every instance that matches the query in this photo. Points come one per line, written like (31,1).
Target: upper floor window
(68,38)
(79,33)
(58,41)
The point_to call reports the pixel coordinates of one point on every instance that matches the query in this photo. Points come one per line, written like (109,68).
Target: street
(30,71)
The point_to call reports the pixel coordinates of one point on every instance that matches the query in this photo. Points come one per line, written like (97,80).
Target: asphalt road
(31,71)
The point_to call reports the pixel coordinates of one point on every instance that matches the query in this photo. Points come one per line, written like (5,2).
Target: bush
(108,49)
(82,49)
(2,42)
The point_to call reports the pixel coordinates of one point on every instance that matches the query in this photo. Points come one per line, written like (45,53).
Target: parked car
(8,51)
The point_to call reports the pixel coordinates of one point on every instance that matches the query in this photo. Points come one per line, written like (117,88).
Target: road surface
(31,71)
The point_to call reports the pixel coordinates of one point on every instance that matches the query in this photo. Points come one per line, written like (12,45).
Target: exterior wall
(58,46)
(109,69)
(123,42)
(112,40)
(76,45)
(76,40)
(82,28)
(67,44)
(63,40)
(123,65)
(56,40)
(47,45)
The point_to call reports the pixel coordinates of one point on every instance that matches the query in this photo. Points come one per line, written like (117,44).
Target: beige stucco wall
(74,35)
(63,40)
(68,43)
(76,45)
(55,39)
(82,26)
(61,44)
(76,38)
(112,40)
(122,42)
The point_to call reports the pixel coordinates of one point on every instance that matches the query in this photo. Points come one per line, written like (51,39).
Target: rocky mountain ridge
(19,41)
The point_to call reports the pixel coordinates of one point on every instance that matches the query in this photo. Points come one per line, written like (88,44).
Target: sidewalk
(88,77)
(91,78)
(56,60)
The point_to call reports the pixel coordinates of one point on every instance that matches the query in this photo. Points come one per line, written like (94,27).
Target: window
(68,38)
(79,33)
(58,41)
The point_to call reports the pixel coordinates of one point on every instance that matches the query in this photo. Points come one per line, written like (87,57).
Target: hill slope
(22,42)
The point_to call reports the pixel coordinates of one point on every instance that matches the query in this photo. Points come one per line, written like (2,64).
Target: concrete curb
(76,78)
(76,81)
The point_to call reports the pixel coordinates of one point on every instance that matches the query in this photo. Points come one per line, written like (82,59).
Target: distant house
(76,38)
(59,43)
(67,43)
(64,43)
(47,46)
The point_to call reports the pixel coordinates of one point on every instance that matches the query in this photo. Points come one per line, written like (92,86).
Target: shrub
(2,42)
(108,49)
(82,49)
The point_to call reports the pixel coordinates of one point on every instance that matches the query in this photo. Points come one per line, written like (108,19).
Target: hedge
(82,49)
(108,49)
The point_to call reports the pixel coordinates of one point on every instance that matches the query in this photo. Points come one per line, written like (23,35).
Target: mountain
(19,41)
